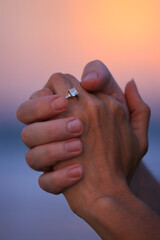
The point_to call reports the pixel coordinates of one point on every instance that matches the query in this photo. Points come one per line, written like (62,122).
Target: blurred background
(40,37)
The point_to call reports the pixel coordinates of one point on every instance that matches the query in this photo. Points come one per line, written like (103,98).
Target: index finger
(41,93)
(41,108)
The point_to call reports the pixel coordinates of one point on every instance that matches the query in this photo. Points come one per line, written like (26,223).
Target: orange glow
(124,34)
(120,28)
(41,37)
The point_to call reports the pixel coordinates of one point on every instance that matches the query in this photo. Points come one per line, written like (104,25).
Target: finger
(140,115)
(50,131)
(58,84)
(45,156)
(97,78)
(41,93)
(57,181)
(41,108)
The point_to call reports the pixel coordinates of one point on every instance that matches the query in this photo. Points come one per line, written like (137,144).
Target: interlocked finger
(42,108)
(44,156)
(51,131)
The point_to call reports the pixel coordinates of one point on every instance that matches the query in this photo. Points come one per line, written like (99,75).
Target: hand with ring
(59,141)
(108,143)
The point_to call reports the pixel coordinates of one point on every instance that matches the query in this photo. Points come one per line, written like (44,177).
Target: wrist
(123,216)
(104,209)
(120,193)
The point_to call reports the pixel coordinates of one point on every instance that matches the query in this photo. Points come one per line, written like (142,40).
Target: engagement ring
(72,93)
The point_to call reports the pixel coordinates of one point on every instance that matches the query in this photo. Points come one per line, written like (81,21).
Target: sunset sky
(39,37)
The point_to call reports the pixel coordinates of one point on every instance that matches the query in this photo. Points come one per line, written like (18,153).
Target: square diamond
(73,92)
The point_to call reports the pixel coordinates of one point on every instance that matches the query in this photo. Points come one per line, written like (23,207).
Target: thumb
(97,78)
(139,115)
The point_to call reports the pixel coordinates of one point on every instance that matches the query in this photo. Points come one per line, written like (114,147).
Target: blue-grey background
(40,37)
(26,212)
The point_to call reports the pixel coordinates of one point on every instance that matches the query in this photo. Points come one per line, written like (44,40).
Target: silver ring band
(72,93)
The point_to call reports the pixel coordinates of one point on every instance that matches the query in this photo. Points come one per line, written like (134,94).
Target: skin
(106,172)
(95,78)
(146,187)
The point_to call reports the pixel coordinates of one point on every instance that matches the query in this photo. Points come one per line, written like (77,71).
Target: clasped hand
(90,142)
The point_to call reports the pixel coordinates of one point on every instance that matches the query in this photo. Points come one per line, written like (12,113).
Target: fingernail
(75,126)
(59,103)
(73,146)
(75,172)
(92,75)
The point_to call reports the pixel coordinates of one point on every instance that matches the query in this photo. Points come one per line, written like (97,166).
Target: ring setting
(72,93)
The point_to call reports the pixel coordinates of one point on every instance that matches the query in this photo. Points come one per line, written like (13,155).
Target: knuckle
(28,158)
(49,186)
(32,161)
(56,187)
(116,109)
(56,76)
(94,104)
(46,92)
(120,112)
(54,79)
(41,93)
(74,208)
(27,155)
(95,111)
(41,182)
(145,147)
(95,107)
(24,135)
(56,190)
(146,109)
(69,76)
(19,113)
(111,104)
